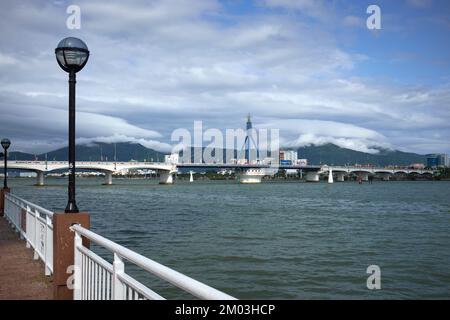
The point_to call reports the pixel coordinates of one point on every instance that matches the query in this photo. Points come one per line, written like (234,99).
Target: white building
(444,160)
(289,155)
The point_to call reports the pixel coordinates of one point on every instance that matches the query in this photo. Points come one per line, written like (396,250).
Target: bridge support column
(108,178)
(340,176)
(251,176)
(165,177)
(364,176)
(191,176)
(40,178)
(330,176)
(385,176)
(312,176)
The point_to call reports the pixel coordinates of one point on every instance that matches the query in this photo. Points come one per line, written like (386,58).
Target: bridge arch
(400,171)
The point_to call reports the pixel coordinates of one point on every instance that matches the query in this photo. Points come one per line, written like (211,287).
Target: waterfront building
(445,160)
(438,160)
(288,156)
(432,161)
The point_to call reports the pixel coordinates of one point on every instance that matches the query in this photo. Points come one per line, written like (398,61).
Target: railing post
(117,286)
(23,222)
(77,267)
(36,234)
(28,226)
(48,222)
(63,250)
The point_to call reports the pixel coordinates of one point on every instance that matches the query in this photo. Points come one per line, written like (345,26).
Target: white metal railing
(35,225)
(97,279)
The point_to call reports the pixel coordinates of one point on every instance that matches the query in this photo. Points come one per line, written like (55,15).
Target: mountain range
(97,151)
(333,155)
(323,154)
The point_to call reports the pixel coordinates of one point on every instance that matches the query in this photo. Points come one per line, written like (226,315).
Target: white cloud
(301,132)
(7,59)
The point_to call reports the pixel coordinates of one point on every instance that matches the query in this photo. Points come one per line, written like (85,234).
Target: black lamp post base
(71,208)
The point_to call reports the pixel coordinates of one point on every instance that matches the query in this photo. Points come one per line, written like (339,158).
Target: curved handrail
(186,283)
(30,204)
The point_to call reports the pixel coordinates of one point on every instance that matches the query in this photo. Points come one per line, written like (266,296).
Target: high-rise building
(444,160)
(438,160)
(432,161)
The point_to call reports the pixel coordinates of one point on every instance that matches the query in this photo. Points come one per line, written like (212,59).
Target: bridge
(246,172)
(165,170)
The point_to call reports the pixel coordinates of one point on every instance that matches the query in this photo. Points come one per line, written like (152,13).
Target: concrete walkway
(21,277)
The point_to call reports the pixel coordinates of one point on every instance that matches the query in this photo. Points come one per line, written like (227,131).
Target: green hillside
(333,155)
(326,154)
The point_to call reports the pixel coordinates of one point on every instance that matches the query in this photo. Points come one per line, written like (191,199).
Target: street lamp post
(5,144)
(72,55)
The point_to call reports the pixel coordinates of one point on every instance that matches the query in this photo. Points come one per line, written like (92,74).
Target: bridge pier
(330,176)
(312,176)
(340,176)
(251,176)
(108,178)
(364,176)
(191,176)
(385,176)
(165,177)
(39,178)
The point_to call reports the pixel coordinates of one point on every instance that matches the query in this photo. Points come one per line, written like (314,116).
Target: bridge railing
(98,279)
(35,225)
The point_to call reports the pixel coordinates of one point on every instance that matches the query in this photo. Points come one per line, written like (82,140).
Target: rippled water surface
(275,240)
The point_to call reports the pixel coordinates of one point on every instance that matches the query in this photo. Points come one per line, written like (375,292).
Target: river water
(275,240)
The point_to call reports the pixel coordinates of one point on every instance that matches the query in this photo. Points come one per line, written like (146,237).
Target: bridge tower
(249,141)
(250,175)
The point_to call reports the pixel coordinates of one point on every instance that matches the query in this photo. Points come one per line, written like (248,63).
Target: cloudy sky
(309,68)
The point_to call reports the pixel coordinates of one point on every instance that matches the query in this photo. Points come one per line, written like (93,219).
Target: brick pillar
(2,200)
(63,250)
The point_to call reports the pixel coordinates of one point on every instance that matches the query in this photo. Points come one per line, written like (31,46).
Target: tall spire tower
(249,140)
(249,122)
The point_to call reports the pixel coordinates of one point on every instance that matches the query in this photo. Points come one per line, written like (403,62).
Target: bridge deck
(21,277)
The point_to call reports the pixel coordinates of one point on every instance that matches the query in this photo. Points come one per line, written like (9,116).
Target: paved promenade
(21,277)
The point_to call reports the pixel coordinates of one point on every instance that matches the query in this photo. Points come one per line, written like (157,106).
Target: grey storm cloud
(156,66)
